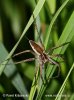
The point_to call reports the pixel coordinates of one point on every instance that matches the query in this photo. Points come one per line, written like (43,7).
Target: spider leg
(57,47)
(58,55)
(26,60)
(41,66)
(36,71)
(18,62)
(35,77)
(47,80)
(58,72)
(17,54)
(53,62)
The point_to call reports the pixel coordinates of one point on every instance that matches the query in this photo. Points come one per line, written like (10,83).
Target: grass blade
(10,70)
(58,97)
(52,22)
(33,87)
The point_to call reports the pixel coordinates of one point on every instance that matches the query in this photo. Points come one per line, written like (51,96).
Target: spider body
(40,52)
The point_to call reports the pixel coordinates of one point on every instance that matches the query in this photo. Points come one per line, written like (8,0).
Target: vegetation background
(17,79)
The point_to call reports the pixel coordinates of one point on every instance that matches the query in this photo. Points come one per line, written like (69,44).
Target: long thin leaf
(11,72)
(59,95)
(52,22)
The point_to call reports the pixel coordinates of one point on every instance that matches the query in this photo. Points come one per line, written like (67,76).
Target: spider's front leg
(56,47)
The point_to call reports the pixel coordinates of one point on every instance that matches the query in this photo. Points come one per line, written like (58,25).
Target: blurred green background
(14,15)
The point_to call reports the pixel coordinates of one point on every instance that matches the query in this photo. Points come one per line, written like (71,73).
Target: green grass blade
(66,36)
(72,97)
(33,87)
(11,72)
(51,4)
(36,12)
(59,95)
(33,90)
(52,22)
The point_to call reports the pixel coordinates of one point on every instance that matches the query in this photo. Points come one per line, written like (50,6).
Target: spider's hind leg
(53,77)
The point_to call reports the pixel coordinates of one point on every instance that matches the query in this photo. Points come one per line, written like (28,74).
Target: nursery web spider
(42,55)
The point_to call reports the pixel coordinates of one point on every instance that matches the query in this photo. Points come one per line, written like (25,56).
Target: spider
(41,54)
